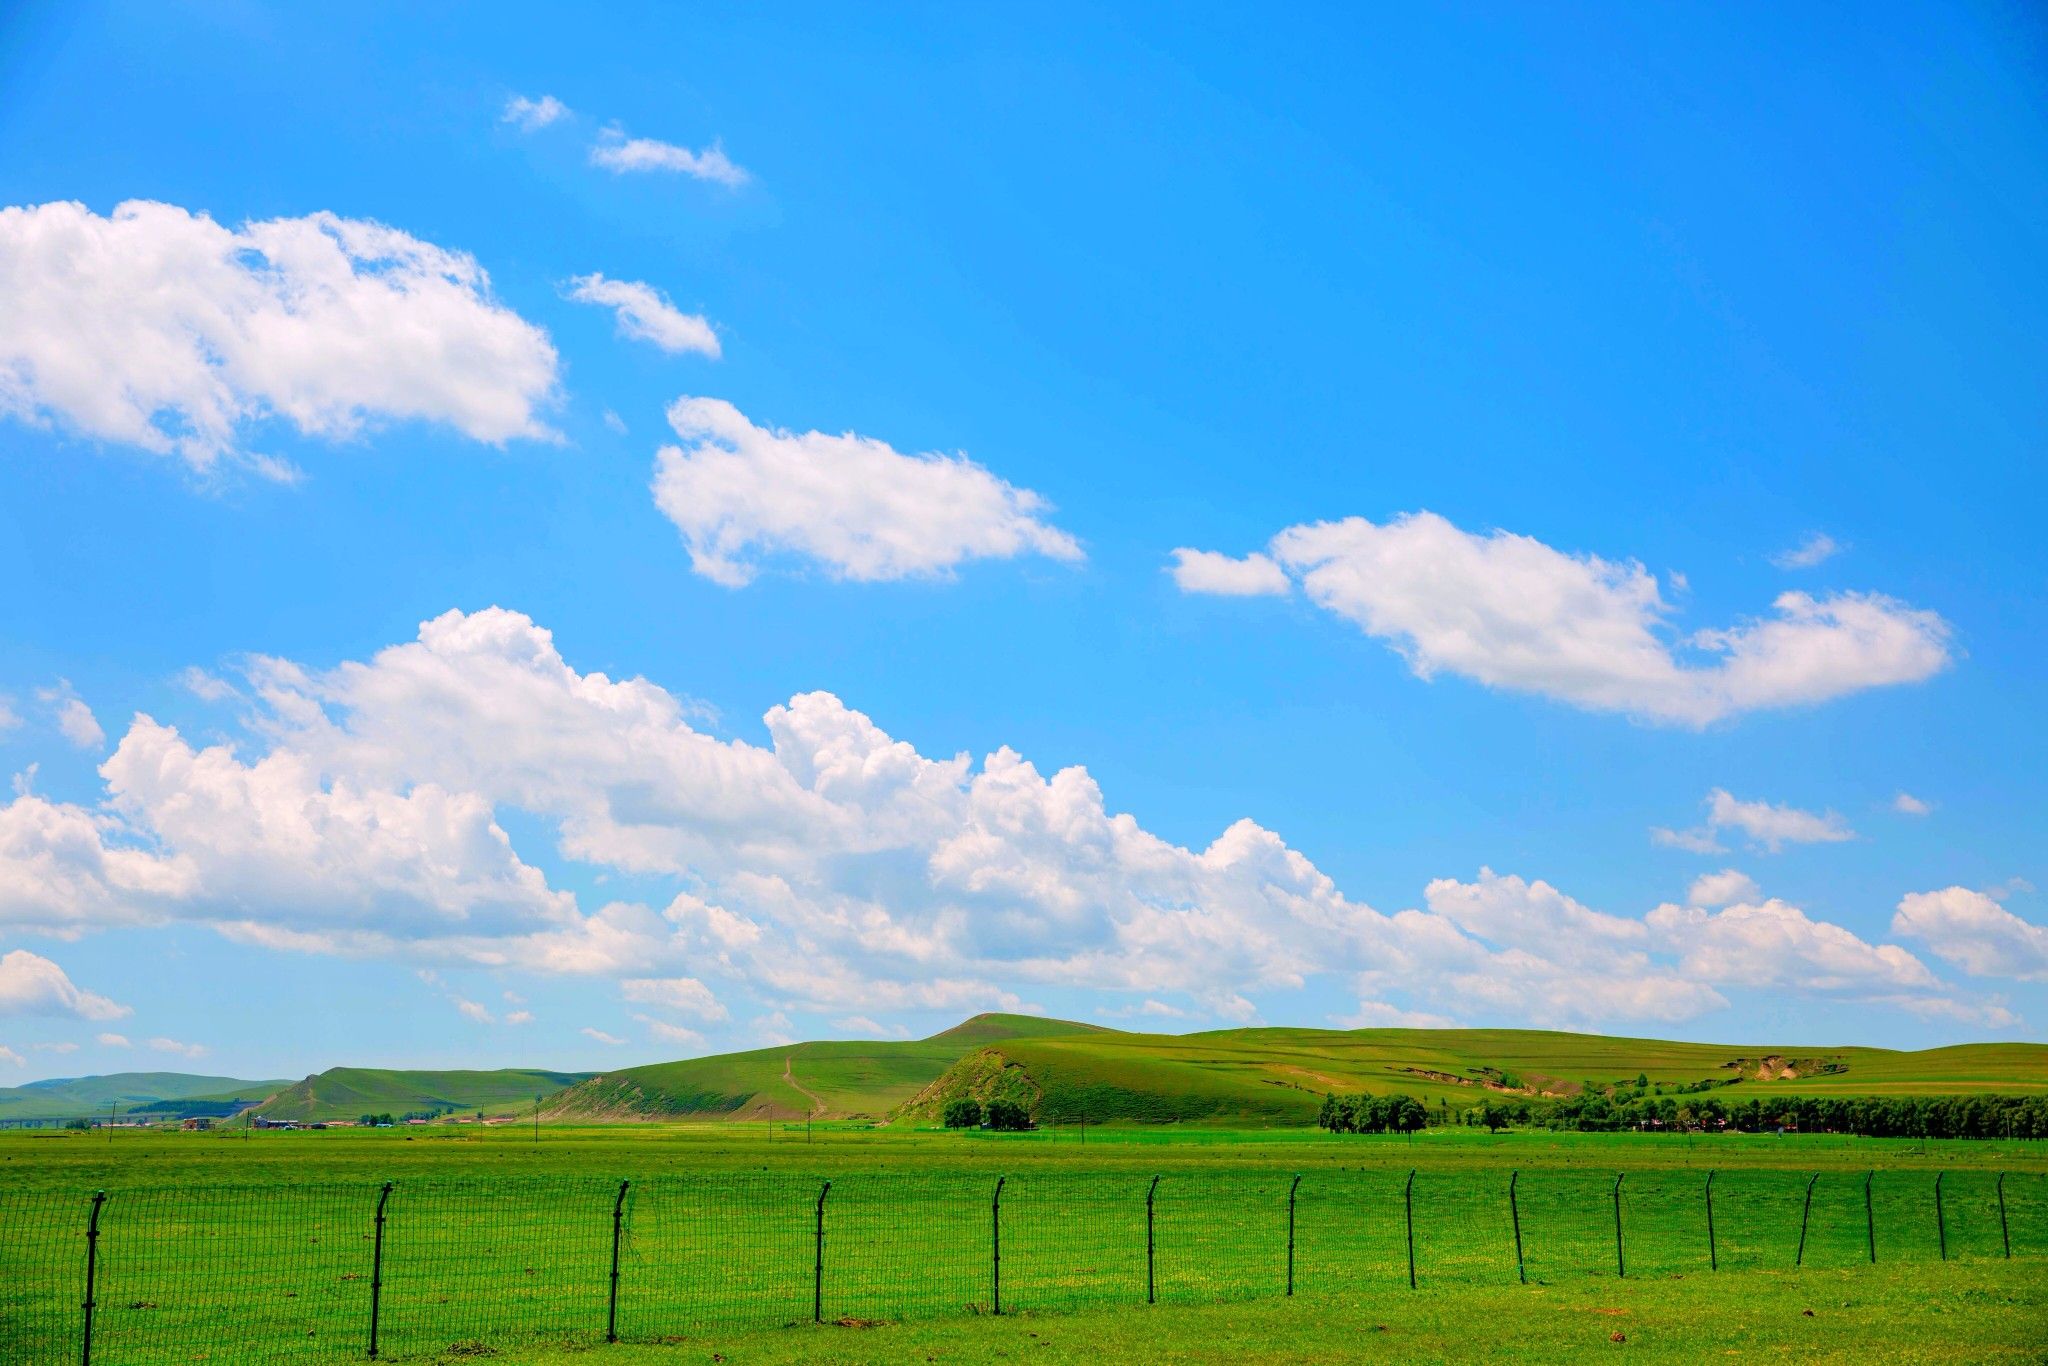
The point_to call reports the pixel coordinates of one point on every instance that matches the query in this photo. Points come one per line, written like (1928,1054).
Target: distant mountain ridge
(129,1092)
(349,1092)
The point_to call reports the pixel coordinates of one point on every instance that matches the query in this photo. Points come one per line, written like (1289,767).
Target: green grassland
(131,1092)
(347,1092)
(213,1242)
(1069,1073)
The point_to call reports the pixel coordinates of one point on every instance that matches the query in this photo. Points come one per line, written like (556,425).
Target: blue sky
(394,615)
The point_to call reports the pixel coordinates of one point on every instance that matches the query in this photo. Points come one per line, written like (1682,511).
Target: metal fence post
(377,1269)
(1620,1264)
(1940,1220)
(2003,1232)
(1408,1204)
(611,1313)
(92,1267)
(995,1234)
(1799,1258)
(818,1272)
(1713,1255)
(1515,1213)
(1151,1286)
(1290,1230)
(1869,1219)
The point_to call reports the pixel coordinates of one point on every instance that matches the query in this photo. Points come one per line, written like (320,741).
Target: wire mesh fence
(295,1273)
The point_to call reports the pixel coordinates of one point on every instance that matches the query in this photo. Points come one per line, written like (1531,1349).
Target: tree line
(1986,1116)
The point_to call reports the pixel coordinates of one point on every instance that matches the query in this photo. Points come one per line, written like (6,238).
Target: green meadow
(231,1246)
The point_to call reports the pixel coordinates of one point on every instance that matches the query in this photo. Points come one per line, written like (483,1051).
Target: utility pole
(536,1119)
(113,1109)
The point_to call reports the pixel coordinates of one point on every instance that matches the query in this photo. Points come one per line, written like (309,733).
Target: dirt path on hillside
(789,1077)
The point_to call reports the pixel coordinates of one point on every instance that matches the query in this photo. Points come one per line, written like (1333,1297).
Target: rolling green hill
(1279,1076)
(346,1092)
(132,1092)
(837,1080)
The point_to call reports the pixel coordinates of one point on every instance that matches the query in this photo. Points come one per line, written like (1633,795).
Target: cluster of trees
(1373,1114)
(965,1112)
(372,1121)
(1869,1116)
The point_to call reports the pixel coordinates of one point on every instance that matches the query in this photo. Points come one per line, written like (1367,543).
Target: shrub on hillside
(963,1112)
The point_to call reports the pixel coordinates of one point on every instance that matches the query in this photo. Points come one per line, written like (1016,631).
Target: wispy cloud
(531,114)
(1816,548)
(623,155)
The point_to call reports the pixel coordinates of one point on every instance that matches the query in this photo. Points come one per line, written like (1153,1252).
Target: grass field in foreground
(252,1250)
(1943,1314)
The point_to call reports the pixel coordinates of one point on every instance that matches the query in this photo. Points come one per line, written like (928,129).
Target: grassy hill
(1279,1076)
(346,1092)
(838,1080)
(132,1092)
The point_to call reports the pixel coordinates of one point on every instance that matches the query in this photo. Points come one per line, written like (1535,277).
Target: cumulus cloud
(159,328)
(112,1041)
(1767,827)
(1770,943)
(9,717)
(33,985)
(1510,612)
(832,868)
(623,155)
(1722,889)
(645,314)
(530,115)
(1906,804)
(1380,1015)
(666,1031)
(852,504)
(1971,930)
(610,1040)
(1206,571)
(75,721)
(12,1058)
(1815,549)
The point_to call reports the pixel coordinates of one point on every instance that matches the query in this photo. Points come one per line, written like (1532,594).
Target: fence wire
(290,1273)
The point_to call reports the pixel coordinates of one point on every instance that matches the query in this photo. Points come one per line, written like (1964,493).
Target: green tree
(963,1112)
(1007,1115)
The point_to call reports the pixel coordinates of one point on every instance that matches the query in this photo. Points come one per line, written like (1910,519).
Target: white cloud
(685,994)
(162,329)
(1906,804)
(1985,1014)
(861,1027)
(1699,841)
(663,1031)
(1971,930)
(112,1041)
(1767,827)
(12,1058)
(855,505)
(33,985)
(645,314)
(611,1040)
(831,868)
(1206,571)
(9,717)
(1723,888)
(1771,943)
(531,114)
(620,154)
(183,1050)
(75,721)
(1380,1015)
(1816,548)
(519,1017)
(207,687)
(1511,612)
(64,1047)
(474,1010)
